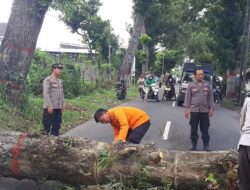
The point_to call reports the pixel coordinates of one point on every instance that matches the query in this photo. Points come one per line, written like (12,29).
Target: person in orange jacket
(129,124)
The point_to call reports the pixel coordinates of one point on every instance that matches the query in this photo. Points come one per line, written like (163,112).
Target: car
(186,79)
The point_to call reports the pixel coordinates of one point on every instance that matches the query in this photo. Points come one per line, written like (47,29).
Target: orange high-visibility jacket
(125,118)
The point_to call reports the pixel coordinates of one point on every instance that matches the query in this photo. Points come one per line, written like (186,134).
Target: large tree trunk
(18,45)
(78,161)
(132,47)
(146,50)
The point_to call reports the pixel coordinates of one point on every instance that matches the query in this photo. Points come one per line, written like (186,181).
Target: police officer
(244,145)
(53,101)
(199,104)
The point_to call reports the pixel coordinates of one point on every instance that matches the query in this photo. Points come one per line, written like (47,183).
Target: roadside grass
(229,103)
(77,111)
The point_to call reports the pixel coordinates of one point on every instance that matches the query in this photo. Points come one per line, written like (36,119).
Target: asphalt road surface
(169,128)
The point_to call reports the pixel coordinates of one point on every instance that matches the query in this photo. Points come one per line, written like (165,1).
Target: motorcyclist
(121,86)
(217,83)
(149,81)
(170,82)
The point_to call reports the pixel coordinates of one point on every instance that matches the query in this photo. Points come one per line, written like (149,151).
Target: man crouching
(129,124)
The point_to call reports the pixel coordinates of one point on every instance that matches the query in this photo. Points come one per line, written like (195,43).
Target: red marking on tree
(16,152)
(22,49)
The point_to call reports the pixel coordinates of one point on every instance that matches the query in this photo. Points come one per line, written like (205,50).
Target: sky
(53,31)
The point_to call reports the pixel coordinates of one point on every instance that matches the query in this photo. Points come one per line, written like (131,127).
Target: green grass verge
(229,103)
(77,111)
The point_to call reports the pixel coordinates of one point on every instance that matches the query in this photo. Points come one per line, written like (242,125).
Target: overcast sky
(53,31)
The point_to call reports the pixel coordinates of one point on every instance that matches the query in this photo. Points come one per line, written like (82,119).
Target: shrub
(71,80)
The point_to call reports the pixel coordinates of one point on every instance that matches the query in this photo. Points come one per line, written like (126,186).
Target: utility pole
(244,54)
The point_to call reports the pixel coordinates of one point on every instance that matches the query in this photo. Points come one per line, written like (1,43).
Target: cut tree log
(81,161)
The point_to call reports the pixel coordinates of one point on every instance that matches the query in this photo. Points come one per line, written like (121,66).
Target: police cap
(57,65)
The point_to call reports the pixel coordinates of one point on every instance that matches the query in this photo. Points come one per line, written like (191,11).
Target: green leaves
(225,23)
(145,39)
(105,159)
(211,179)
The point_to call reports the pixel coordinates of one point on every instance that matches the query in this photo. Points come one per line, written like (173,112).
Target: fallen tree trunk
(82,161)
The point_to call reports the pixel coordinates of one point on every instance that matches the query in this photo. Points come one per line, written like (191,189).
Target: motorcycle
(120,91)
(169,92)
(153,93)
(217,94)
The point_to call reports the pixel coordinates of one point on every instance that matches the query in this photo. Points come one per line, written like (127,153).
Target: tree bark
(18,45)
(132,47)
(146,50)
(77,161)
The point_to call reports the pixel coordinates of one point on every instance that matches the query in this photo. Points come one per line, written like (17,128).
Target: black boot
(194,147)
(206,148)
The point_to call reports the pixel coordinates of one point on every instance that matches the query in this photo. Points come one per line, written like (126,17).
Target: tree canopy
(207,31)
(81,17)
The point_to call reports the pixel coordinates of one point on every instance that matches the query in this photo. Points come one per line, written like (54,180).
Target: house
(72,50)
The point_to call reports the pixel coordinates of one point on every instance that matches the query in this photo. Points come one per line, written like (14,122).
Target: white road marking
(173,104)
(166,131)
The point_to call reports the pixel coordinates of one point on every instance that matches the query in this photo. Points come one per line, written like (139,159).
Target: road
(169,128)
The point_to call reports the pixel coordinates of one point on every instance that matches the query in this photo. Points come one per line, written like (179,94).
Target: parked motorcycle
(121,90)
(153,92)
(217,94)
(169,92)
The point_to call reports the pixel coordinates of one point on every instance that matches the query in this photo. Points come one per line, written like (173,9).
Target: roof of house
(3,27)
(73,45)
(68,50)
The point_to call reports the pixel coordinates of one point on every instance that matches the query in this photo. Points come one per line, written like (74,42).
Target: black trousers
(135,136)
(202,119)
(52,122)
(244,167)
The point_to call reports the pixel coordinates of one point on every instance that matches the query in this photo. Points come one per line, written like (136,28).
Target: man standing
(199,104)
(53,101)
(244,146)
(140,83)
(129,124)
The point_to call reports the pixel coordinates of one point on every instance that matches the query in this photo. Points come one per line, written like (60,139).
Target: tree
(141,58)
(82,161)
(164,25)
(225,21)
(167,60)
(18,45)
(145,41)
(81,17)
(198,47)
(132,47)
(141,9)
